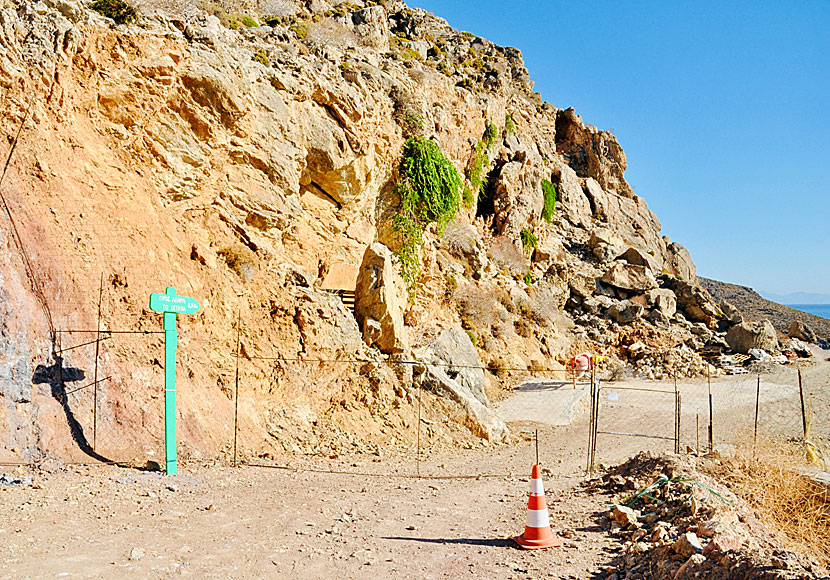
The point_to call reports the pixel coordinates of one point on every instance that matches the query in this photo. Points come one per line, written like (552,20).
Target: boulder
(801,331)
(597,304)
(629,277)
(687,545)
(695,302)
(378,303)
(679,263)
(582,285)
(640,257)
(605,244)
(463,383)
(662,300)
(752,335)
(657,318)
(549,249)
(625,516)
(731,313)
(625,311)
(327,328)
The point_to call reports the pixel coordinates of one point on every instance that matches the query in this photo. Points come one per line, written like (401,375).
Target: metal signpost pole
(170,343)
(171,304)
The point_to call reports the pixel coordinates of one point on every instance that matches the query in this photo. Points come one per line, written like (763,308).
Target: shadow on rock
(56,376)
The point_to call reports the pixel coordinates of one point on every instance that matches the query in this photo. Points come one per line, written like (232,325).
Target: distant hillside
(755,307)
(798,298)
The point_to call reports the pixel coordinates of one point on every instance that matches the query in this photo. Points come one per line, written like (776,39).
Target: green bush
(529,241)
(118,10)
(300,30)
(429,188)
(508,124)
(549,193)
(476,172)
(467,197)
(262,57)
(491,133)
(249,22)
(528,279)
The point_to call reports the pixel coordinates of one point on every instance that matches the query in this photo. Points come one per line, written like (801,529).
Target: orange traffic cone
(537,531)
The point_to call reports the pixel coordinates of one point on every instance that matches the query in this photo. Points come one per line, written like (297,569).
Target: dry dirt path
(363,517)
(366,518)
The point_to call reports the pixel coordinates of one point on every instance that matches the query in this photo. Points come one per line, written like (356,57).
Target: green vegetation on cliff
(429,187)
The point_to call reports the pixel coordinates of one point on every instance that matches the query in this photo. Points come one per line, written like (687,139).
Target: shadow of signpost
(56,376)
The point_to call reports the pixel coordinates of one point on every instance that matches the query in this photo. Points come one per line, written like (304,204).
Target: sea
(822,310)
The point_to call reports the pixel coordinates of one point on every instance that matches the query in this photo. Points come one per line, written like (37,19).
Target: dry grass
(508,256)
(773,483)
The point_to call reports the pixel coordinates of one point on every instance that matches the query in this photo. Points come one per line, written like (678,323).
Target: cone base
(551,542)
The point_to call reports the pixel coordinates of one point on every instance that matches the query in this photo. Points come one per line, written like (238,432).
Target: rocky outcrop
(629,277)
(754,307)
(752,335)
(259,165)
(379,302)
(451,367)
(517,197)
(694,301)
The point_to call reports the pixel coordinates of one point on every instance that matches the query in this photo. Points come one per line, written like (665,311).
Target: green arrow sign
(171,304)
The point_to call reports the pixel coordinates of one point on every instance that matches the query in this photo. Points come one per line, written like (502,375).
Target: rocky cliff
(251,159)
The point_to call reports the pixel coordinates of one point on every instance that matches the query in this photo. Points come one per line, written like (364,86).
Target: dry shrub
(504,252)
(479,309)
(460,239)
(773,482)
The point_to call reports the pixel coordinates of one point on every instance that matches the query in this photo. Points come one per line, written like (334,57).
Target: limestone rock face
(594,154)
(258,164)
(378,306)
(517,197)
(465,386)
(752,335)
(372,27)
(629,277)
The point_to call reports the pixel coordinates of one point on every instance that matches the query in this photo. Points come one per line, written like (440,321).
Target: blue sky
(723,110)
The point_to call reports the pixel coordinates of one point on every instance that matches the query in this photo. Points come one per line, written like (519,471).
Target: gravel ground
(309,518)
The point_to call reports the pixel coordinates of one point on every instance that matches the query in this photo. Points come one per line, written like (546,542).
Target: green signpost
(171,304)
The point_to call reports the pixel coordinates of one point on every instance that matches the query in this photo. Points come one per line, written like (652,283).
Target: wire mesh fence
(106,376)
(723,413)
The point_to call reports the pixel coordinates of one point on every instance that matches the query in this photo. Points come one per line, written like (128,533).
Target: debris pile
(676,524)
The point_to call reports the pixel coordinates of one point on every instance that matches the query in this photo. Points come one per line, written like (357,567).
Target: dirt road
(366,518)
(316,518)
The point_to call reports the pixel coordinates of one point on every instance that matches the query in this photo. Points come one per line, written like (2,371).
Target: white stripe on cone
(537,487)
(538,518)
